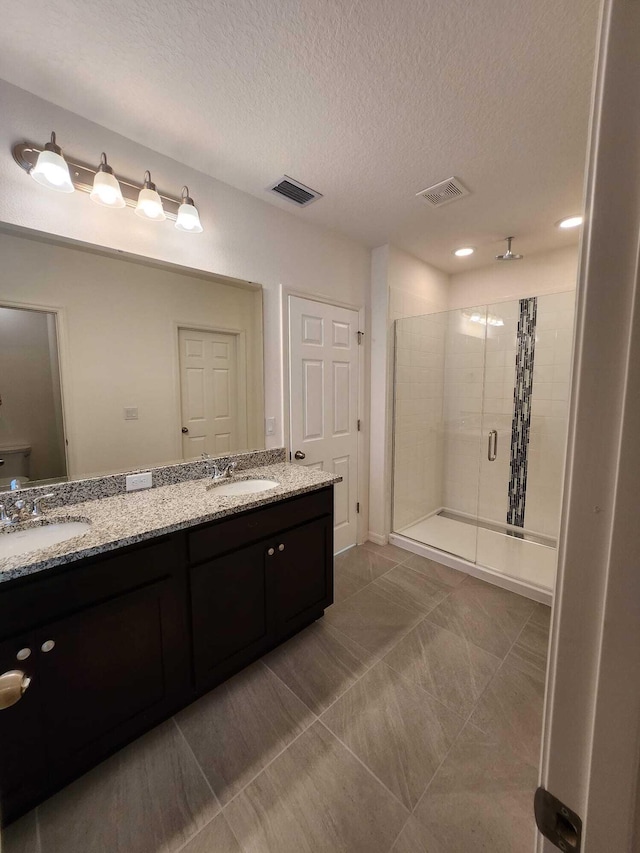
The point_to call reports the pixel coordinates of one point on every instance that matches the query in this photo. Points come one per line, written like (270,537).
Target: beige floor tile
(216,837)
(239,727)
(372,620)
(485,615)
(412,589)
(447,666)
(148,798)
(436,571)
(319,664)
(416,838)
(355,568)
(511,710)
(541,616)
(315,798)
(398,731)
(21,836)
(480,800)
(530,650)
(391,552)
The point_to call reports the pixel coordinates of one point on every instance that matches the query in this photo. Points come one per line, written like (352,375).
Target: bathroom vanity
(185,590)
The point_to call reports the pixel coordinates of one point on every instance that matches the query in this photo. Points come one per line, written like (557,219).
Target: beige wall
(28,414)
(119,346)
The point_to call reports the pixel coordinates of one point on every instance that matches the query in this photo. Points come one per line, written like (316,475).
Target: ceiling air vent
(294,191)
(446,191)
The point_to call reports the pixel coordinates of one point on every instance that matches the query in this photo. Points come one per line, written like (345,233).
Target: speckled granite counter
(137,516)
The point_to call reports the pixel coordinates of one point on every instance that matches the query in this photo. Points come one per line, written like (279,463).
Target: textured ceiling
(366,101)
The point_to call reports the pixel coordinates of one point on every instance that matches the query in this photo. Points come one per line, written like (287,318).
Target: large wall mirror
(109,363)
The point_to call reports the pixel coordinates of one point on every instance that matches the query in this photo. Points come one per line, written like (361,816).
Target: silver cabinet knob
(271,552)
(12,687)
(23,654)
(48,645)
(299,454)
(281,547)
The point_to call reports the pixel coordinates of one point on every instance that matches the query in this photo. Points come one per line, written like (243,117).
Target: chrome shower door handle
(492,449)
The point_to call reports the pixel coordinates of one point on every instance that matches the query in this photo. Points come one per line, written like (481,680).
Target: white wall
(534,275)
(244,237)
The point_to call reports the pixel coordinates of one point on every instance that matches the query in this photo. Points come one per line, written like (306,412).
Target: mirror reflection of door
(32,443)
(213,393)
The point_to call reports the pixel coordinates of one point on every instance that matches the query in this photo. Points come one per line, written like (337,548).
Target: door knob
(185,430)
(299,454)
(12,687)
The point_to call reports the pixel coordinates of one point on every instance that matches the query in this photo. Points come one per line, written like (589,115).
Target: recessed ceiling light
(570,222)
(464,251)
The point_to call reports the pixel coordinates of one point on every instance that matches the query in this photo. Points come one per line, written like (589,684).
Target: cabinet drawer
(40,600)
(216,539)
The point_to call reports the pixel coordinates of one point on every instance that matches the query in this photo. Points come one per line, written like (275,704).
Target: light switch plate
(270,426)
(131,413)
(139,481)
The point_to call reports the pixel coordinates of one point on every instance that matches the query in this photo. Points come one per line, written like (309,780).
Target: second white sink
(16,541)
(243,487)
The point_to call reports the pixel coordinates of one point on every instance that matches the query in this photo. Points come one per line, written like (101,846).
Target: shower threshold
(505,529)
(506,556)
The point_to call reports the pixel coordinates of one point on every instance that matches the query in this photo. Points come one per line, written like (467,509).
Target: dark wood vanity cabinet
(118,643)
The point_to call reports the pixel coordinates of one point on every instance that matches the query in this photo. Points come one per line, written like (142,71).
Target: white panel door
(209,390)
(323,372)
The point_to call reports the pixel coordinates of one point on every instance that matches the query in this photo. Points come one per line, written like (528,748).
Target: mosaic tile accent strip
(521,423)
(96,488)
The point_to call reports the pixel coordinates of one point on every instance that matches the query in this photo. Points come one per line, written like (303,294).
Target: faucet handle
(4,518)
(36,511)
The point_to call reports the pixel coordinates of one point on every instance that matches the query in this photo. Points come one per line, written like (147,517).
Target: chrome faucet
(221,470)
(22,510)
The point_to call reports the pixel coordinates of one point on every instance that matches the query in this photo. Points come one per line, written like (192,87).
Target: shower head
(509,255)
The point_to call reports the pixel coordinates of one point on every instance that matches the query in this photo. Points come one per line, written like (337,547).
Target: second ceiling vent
(443,193)
(294,191)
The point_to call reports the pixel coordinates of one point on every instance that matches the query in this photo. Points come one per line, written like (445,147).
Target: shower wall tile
(418,438)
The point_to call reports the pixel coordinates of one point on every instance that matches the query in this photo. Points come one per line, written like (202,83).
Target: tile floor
(406,721)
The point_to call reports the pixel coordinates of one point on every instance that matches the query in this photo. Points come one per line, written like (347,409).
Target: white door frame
(361,490)
(591,737)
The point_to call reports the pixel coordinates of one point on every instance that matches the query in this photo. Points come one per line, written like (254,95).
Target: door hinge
(557,822)
(358,507)
(290,457)
(360,337)
(359,424)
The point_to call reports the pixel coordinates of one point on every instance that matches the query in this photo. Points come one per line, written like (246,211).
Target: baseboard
(376,538)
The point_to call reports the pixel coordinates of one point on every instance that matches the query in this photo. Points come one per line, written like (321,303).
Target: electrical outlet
(131,413)
(139,481)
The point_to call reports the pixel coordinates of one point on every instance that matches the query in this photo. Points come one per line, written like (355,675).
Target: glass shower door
(439,385)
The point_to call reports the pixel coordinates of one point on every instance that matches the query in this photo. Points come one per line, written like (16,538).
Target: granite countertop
(137,516)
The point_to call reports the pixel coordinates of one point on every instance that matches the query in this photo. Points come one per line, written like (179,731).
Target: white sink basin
(243,487)
(16,541)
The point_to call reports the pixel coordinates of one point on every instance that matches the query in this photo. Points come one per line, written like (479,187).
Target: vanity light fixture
(48,167)
(51,168)
(188,216)
(149,202)
(106,189)
(570,222)
(464,251)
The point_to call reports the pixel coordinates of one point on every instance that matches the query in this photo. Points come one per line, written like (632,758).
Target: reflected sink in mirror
(20,540)
(242,487)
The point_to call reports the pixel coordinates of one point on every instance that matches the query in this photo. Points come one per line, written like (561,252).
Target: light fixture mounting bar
(26,153)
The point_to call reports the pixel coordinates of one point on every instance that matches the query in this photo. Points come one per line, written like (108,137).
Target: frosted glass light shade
(188,218)
(106,190)
(51,171)
(150,205)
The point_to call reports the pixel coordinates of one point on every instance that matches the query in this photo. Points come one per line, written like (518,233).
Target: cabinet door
(303,575)
(22,747)
(231,624)
(107,673)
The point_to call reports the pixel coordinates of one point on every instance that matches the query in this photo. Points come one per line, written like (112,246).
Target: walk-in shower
(480,423)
